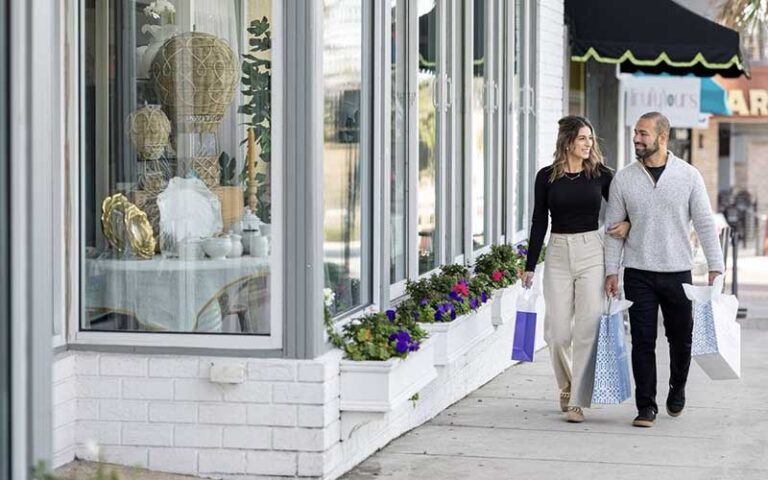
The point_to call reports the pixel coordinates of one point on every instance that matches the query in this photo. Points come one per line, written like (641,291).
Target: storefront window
(398,124)
(176,172)
(427,193)
(480,98)
(344,164)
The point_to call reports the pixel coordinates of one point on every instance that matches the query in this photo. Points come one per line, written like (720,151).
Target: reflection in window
(177,218)
(399,207)
(343,81)
(479,101)
(427,134)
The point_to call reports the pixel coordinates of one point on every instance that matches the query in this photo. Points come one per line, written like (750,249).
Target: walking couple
(651,204)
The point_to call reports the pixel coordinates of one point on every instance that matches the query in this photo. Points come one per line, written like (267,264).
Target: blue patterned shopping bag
(716,334)
(612,381)
(525,327)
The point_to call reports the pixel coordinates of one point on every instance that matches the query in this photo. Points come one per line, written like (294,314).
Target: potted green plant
(257,89)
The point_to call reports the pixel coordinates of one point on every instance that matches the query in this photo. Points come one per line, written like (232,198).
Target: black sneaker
(675,401)
(645,417)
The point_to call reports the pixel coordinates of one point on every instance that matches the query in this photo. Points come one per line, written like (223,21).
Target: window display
(176,162)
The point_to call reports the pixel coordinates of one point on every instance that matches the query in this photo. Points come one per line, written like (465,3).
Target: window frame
(79,338)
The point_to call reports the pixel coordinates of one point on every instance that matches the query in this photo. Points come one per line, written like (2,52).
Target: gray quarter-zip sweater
(661,215)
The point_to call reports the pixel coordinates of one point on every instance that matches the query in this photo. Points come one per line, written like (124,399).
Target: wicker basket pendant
(195,75)
(149,129)
(207,169)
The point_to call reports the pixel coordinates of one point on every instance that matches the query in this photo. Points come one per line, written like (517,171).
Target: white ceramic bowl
(217,247)
(189,249)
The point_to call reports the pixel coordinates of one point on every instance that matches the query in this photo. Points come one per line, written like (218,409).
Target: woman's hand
(527,279)
(619,230)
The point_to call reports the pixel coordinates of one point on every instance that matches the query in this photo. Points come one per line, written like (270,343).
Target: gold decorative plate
(139,232)
(113,220)
(126,226)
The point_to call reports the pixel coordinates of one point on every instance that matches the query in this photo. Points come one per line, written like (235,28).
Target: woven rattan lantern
(148,129)
(195,76)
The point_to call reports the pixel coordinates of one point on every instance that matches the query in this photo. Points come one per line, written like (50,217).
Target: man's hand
(527,279)
(712,276)
(619,230)
(612,285)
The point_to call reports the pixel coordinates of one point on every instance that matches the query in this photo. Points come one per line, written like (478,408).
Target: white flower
(159,8)
(93,449)
(330,296)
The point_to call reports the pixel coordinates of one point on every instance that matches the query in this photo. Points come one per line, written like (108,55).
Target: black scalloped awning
(652,36)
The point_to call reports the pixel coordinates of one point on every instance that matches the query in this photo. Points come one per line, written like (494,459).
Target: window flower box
(380,386)
(455,338)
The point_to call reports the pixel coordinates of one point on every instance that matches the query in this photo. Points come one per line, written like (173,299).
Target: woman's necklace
(572,176)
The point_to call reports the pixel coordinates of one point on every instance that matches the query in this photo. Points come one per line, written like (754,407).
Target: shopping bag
(525,326)
(612,382)
(716,334)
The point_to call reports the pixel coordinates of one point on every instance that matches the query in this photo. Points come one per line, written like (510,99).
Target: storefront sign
(748,97)
(677,98)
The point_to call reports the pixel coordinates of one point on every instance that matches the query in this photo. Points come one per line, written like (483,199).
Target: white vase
(259,246)
(145,54)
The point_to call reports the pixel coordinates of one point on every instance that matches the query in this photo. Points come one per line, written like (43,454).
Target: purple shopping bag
(525,327)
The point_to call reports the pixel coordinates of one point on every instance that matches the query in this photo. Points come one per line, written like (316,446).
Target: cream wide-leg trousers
(574,280)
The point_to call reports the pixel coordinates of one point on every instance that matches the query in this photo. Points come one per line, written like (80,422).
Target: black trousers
(648,291)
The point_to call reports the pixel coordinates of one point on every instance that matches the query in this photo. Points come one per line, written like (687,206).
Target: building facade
(390,137)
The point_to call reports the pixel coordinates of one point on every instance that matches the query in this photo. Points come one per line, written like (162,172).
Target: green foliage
(41,472)
(441,297)
(375,337)
(228,165)
(257,87)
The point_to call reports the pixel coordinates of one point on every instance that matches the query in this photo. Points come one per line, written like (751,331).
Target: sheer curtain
(222,18)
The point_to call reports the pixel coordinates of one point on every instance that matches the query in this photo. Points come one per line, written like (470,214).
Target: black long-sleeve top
(573,204)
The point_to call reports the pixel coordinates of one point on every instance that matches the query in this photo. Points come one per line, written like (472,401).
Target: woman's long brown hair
(567,132)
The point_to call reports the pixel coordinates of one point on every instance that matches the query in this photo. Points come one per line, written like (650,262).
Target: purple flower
(453,315)
(484,297)
(424,302)
(414,346)
(438,316)
(456,297)
(473,303)
(415,315)
(522,250)
(401,346)
(391,315)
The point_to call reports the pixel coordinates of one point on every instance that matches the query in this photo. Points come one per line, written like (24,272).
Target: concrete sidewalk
(511,428)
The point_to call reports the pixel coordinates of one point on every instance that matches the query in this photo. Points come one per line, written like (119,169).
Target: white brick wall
(164,413)
(65,408)
(549,84)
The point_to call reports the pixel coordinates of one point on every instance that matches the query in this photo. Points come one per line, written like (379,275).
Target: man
(661,195)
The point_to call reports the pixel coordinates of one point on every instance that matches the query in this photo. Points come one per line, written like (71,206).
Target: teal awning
(714,98)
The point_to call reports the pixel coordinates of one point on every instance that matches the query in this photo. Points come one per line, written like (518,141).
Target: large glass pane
(177,216)
(520,169)
(427,133)
(398,178)
(480,95)
(342,156)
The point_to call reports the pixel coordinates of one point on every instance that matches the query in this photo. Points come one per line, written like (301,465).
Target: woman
(570,191)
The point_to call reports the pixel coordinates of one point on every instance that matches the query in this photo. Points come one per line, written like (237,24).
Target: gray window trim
(5,317)
(304,336)
(382,155)
(34,87)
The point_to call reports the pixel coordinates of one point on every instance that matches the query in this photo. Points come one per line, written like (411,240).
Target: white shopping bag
(716,334)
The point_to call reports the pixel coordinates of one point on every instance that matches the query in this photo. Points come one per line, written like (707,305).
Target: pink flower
(497,275)
(461,288)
